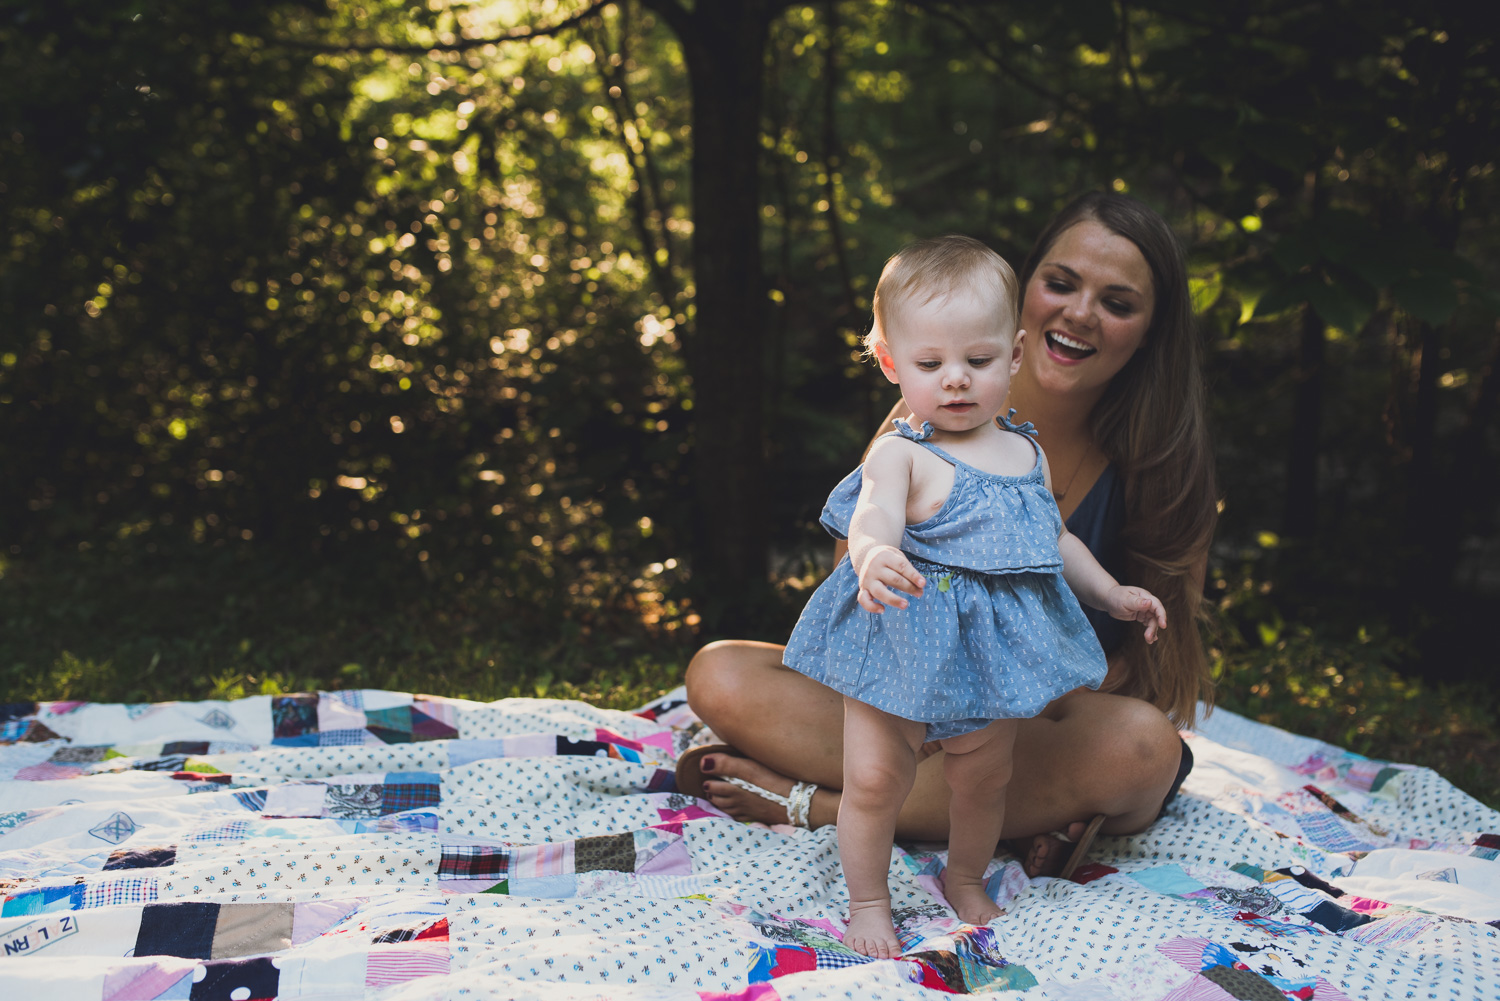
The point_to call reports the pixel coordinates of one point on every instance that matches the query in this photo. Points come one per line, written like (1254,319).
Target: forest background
(510,347)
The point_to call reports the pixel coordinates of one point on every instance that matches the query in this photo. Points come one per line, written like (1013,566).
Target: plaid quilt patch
(837,959)
(114,892)
(1329,833)
(399,797)
(342,738)
(354,698)
(473,862)
(235,830)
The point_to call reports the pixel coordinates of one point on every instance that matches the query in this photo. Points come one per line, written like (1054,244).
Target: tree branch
(997,57)
(678,17)
(831,156)
(1127,58)
(642,167)
(514,35)
(687,24)
(1219,29)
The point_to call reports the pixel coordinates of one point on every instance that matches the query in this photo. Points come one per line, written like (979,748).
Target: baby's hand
(1136,604)
(886,573)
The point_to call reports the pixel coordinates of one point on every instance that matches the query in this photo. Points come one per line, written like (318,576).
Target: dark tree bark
(724,44)
(1300,519)
(1423,502)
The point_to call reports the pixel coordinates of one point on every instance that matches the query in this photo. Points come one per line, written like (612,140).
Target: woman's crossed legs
(1089,753)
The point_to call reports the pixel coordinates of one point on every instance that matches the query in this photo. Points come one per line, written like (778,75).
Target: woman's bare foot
(968,899)
(742,804)
(1045,855)
(871,931)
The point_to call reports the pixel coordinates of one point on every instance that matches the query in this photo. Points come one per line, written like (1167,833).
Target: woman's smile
(1068,348)
(1092,299)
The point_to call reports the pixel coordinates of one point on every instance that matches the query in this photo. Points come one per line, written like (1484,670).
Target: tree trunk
(724,43)
(1422,501)
(1300,519)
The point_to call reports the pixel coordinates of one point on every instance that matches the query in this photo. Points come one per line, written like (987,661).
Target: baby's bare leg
(978,769)
(880,761)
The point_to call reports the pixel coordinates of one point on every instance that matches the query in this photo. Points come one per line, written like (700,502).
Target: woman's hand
(1136,604)
(887,573)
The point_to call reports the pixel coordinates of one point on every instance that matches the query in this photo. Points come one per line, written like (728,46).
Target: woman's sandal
(1081,847)
(798,803)
(1055,867)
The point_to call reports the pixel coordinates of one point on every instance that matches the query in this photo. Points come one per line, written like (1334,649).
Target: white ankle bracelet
(798,803)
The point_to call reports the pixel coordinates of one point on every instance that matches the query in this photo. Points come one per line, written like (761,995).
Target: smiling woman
(1116,391)
(1089,306)
(1110,376)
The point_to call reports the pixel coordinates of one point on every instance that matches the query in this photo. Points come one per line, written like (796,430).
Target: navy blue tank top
(1098,521)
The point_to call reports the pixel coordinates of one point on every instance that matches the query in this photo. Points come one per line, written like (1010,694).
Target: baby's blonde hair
(934,269)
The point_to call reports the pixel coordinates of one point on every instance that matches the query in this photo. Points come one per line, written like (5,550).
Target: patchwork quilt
(373,844)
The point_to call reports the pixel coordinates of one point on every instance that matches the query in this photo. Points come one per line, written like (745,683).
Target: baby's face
(953,359)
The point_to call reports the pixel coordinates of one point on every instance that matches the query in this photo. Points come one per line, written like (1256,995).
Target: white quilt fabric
(374,844)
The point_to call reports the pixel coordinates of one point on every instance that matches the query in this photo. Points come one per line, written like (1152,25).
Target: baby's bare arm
(878,524)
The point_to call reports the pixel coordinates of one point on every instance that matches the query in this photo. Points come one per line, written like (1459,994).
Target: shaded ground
(132,625)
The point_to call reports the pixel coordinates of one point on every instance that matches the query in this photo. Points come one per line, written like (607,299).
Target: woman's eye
(1118,307)
(1057,286)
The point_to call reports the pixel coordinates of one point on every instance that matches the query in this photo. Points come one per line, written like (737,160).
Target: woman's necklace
(1061,495)
(1088,446)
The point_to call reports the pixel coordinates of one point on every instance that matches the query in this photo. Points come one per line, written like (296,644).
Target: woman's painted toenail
(708,764)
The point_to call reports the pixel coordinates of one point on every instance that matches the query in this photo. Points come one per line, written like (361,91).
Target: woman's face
(1086,310)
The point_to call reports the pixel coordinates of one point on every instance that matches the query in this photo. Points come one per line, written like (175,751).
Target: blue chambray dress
(996,634)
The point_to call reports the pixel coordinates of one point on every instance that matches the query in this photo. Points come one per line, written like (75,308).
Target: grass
(1355,686)
(1347,692)
(128,625)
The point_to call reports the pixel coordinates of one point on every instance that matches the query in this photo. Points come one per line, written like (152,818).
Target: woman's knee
(1148,736)
(1129,745)
(711,679)
(1140,765)
(727,676)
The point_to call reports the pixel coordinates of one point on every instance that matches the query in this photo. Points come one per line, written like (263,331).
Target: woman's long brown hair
(1153,425)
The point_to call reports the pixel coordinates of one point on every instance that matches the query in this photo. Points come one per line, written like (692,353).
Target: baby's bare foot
(871,931)
(968,899)
(741,804)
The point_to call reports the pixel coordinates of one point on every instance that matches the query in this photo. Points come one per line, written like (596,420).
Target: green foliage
(1346,688)
(341,347)
(330,301)
(1346,691)
(130,626)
